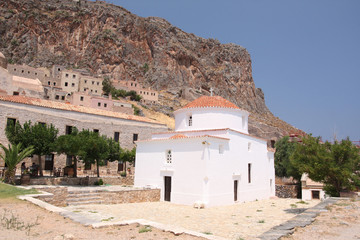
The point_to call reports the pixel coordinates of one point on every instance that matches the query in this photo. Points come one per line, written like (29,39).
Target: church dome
(211,112)
(211,101)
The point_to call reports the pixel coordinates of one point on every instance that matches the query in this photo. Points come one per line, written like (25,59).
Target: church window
(74,76)
(54,83)
(190,120)
(66,75)
(81,98)
(49,83)
(98,83)
(92,82)
(105,104)
(73,84)
(99,104)
(62,97)
(249,172)
(221,149)
(168,157)
(66,84)
(85,81)
(57,97)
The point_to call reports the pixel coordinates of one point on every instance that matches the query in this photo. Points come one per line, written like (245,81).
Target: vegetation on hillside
(108,88)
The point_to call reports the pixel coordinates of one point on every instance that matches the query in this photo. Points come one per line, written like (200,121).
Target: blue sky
(305,54)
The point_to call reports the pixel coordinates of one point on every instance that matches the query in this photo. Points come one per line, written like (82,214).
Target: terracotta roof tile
(184,137)
(211,101)
(70,107)
(177,136)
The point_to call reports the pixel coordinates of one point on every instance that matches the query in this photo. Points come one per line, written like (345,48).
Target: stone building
(16,85)
(26,71)
(91,84)
(70,81)
(124,128)
(87,99)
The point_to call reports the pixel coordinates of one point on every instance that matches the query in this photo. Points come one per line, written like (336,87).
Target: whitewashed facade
(210,158)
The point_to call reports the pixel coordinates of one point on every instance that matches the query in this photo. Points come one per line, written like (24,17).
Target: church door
(235,190)
(167,189)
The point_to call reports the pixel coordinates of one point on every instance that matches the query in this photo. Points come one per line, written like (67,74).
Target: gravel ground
(33,222)
(341,222)
(238,221)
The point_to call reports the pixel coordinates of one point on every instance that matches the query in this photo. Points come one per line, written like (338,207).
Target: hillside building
(86,99)
(209,159)
(70,81)
(91,84)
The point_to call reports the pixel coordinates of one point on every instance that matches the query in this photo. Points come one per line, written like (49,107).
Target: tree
(283,166)
(41,136)
(114,150)
(94,149)
(13,155)
(335,164)
(70,144)
(128,155)
(107,85)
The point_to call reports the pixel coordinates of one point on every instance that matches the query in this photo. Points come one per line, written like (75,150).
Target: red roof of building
(211,101)
(74,108)
(177,136)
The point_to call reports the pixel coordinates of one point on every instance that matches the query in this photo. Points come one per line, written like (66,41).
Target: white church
(209,159)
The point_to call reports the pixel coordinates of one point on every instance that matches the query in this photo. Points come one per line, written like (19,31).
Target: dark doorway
(315,194)
(121,167)
(49,162)
(235,190)
(167,190)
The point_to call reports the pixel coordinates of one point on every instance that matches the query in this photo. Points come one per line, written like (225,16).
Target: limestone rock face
(109,40)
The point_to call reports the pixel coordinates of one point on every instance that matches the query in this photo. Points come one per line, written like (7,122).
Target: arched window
(190,122)
(168,157)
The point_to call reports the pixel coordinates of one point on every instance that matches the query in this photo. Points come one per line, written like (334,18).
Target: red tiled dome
(177,136)
(213,101)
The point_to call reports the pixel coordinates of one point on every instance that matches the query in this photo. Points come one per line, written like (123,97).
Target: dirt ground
(342,221)
(27,221)
(23,220)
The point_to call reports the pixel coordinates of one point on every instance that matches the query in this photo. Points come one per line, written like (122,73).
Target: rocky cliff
(109,40)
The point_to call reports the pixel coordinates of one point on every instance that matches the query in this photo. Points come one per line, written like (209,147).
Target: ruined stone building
(148,95)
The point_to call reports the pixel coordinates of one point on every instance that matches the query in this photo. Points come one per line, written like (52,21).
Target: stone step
(83,199)
(83,194)
(84,203)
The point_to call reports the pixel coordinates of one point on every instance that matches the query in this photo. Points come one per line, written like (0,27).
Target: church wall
(210,118)
(187,168)
(233,165)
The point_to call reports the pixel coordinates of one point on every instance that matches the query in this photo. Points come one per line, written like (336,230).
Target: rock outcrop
(109,40)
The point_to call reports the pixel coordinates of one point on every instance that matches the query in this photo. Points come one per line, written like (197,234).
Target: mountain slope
(109,40)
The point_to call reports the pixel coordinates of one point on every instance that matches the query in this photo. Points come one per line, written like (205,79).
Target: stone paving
(239,221)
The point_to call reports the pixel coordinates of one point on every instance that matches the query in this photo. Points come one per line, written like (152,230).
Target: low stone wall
(59,195)
(286,191)
(131,196)
(70,181)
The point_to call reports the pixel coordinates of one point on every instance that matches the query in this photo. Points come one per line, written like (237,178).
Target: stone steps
(83,197)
